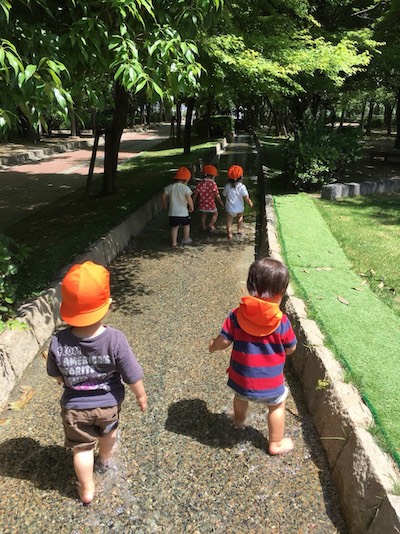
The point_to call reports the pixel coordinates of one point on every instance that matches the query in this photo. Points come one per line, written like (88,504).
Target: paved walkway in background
(32,185)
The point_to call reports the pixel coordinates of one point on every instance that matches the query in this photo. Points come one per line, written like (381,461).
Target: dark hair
(267,278)
(234,182)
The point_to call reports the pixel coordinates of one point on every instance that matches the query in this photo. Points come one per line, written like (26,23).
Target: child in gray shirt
(91,361)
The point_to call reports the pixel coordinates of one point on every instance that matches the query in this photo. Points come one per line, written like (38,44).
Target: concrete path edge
(363,474)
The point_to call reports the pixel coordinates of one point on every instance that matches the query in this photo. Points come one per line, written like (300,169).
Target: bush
(11,256)
(319,154)
(219,126)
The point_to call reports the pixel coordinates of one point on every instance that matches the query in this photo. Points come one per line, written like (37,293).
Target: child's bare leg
(239,220)
(203,217)
(276,427)
(186,232)
(174,235)
(107,444)
(83,465)
(214,217)
(229,221)
(240,408)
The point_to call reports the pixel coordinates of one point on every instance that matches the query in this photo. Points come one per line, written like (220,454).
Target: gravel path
(181,467)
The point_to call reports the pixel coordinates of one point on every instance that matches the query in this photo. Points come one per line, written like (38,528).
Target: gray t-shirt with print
(92,368)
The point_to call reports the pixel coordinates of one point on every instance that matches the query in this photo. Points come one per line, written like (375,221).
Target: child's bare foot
(280,447)
(86,492)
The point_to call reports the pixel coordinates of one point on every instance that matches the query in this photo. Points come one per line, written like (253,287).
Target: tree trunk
(188,126)
(397,142)
(362,118)
(72,119)
(388,117)
(178,123)
(113,135)
(368,126)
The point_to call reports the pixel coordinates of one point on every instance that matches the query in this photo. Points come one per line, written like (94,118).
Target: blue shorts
(179,221)
(271,401)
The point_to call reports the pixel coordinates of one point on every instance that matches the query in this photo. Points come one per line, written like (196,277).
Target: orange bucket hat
(235,172)
(210,170)
(183,173)
(85,292)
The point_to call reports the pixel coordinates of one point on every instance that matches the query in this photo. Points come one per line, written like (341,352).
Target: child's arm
(190,202)
(140,394)
(219,343)
(194,197)
(219,199)
(290,350)
(249,201)
(164,200)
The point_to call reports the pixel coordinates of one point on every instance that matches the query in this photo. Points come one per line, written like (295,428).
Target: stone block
(367,188)
(363,476)
(332,191)
(380,186)
(387,519)
(354,189)
(19,347)
(7,378)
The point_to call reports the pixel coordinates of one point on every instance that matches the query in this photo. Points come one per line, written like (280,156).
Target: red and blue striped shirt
(256,365)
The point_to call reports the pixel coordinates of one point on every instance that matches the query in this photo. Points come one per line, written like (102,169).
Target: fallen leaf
(363,274)
(357,288)
(372,272)
(4,421)
(324,269)
(364,283)
(342,300)
(27,394)
(307,272)
(381,285)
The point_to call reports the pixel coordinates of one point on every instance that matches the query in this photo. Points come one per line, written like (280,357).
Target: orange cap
(235,172)
(183,173)
(210,170)
(85,292)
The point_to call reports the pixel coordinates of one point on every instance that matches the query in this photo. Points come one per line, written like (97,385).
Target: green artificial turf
(361,330)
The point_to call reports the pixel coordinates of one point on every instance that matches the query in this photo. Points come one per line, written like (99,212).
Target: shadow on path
(48,467)
(191,417)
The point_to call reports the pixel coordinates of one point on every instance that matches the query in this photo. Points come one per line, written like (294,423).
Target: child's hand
(142,401)
(211,347)
(60,380)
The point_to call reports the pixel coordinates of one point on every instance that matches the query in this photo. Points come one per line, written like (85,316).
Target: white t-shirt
(234,197)
(177,192)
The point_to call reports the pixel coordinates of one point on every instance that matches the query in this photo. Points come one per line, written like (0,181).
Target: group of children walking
(93,361)
(177,197)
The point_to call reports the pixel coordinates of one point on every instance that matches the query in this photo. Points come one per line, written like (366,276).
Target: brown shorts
(82,428)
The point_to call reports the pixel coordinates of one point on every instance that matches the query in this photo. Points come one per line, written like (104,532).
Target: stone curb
(19,347)
(352,189)
(37,154)
(363,474)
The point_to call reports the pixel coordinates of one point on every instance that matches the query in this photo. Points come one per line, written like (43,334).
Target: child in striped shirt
(262,337)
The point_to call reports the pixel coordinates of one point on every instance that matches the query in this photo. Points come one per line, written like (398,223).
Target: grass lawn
(368,230)
(362,331)
(55,241)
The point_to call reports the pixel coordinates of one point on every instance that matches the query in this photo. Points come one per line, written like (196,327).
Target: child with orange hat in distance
(90,360)
(262,337)
(177,197)
(236,194)
(207,192)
